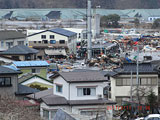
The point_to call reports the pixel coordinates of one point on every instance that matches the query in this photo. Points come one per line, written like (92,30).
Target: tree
(11,109)
(156,24)
(110,21)
(136,22)
(152,101)
(38,87)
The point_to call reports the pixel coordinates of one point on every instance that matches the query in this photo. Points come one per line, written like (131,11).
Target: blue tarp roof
(63,32)
(30,63)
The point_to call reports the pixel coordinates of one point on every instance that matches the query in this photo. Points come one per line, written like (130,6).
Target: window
(35,41)
(20,42)
(154,81)
(39,41)
(2,43)
(140,81)
(62,41)
(43,36)
(53,113)
(9,44)
(86,91)
(45,113)
(119,82)
(5,81)
(45,41)
(35,70)
(51,36)
(52,42)
(59,88)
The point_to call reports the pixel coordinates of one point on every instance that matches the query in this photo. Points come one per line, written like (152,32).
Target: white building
(79,93)
(52,40)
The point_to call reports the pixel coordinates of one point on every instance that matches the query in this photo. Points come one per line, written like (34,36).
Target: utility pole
(138,76)
(131,99)
(89,42)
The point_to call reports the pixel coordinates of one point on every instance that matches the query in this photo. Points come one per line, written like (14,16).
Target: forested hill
(108,4)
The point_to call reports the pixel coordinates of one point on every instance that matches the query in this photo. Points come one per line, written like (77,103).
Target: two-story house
(10,38)
(20,53)
(124,82)
(54,42)
(78,92)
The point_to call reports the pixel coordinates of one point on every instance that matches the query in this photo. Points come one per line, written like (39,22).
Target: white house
(79,93)
(52,40)
(125,77)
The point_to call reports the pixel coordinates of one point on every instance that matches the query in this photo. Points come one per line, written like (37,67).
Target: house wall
(99,90)
(65,87)
(77,109)
(11,89)
(43,71)
(70,89)
(124,91)
(4,46)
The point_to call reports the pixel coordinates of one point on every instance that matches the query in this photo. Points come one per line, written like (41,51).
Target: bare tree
(11,109)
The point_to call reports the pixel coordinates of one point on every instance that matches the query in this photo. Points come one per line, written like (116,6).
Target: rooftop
(22,89)
(30,63)
(10,34)
(83,76)
(6,70)
(63,32)
(19,50)
(144,68)
(60,31)
(55,100)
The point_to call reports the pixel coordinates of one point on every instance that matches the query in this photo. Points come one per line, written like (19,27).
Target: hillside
(109,4)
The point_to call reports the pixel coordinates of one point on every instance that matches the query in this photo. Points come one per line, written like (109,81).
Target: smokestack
(89,42)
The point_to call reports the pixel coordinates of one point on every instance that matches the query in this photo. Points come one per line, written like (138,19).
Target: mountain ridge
(107,4)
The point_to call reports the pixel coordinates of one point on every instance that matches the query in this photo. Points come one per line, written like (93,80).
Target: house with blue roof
(54,42)
(35,67)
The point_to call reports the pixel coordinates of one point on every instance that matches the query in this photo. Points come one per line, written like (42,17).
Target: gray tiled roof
(6,70)
(144,68)
(10,34)
(87,76)
(41,94)
(19,50)
(55,100)
(22,89)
